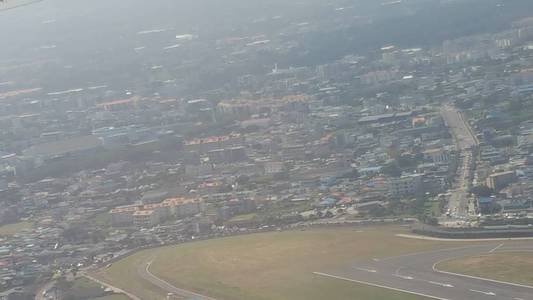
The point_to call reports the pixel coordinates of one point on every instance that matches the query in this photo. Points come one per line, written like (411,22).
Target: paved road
(417,274)
(11,4)
(144,272)
(465,140)
(39,295)
(460,128)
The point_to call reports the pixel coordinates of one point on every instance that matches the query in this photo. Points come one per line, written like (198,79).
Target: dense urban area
(267,123)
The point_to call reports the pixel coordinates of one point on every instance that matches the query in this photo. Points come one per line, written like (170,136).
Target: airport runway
(416,274)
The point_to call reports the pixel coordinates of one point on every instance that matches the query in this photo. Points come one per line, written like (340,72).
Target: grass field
(113,297)
(511,267)
(11,229)
(84,288)
(241,218)
(275,265)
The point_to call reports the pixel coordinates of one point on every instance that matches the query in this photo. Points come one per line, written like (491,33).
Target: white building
(274,167)
(182,207)
(407,185)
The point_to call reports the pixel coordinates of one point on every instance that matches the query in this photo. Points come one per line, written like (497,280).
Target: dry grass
(11,229)
(276,265)
(113,297)
(513,267)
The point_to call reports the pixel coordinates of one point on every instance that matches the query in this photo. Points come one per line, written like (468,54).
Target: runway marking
(496,248)
(518,299)
(441,284)
(482,292)
(367,270)
(397,274)
(167,284)
(403,277)
(378,285)
(514,250)
(427,238)
(435,269)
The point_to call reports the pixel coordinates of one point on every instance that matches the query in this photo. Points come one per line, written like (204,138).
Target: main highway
(465,141)
(418,274)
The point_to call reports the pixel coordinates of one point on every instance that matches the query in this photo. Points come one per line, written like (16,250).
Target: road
(418,274)
(144,272)
(11,4)
(460,129)
(465,141)
(39,295)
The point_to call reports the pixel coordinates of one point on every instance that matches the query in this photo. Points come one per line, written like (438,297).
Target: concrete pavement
(40,294)
(418,274)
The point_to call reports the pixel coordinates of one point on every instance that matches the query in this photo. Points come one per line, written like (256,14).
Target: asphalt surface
(39,295)
(417,274)
(459,127)
(465,140)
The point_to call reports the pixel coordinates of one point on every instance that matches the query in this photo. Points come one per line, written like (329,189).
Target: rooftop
(75,144)
(143,213)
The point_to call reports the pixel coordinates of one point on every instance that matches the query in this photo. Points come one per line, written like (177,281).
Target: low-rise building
(274,167)
(438,155)
(227,155)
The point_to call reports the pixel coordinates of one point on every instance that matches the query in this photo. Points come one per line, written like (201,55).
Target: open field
(113,297)
(11,229)
(515,267)
(275,265)
(83,288)
(241,218)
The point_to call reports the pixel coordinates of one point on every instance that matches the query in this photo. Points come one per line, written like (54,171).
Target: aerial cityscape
(282,149)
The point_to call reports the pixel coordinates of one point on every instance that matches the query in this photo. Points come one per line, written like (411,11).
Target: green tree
(482,191)
(392,169)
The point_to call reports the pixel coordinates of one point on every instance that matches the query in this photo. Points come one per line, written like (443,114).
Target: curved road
(417,274)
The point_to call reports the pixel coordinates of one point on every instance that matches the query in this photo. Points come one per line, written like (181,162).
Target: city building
(74,146)
(227,155)
(438,155)
(500,180)
(407,185)
(123,215)
(145,218)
